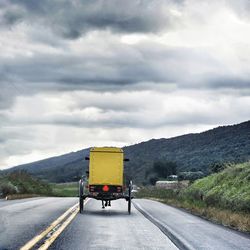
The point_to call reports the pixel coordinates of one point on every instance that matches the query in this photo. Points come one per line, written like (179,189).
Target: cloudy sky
(75,74)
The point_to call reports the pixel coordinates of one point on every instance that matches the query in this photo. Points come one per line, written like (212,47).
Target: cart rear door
(106,166)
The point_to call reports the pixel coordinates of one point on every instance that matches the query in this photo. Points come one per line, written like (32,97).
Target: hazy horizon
(79,149)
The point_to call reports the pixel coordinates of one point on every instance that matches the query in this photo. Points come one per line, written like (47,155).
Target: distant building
(167,184)
(172,184)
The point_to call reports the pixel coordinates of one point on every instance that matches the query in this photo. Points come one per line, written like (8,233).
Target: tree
(164,168)
(190,175)
(153,180)
(217,167)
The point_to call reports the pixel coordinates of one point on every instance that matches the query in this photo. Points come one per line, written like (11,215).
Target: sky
(75,74)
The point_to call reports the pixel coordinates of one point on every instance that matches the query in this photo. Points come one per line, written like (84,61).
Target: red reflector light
(105,188)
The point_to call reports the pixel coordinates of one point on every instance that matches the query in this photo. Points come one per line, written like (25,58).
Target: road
(21,220)
(192,231)
(112,227)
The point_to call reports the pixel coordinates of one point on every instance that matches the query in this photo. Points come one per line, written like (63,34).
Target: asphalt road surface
(112,227)
(192,231)
(21,220)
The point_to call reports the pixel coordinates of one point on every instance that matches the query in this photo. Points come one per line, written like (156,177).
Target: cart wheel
(129,197)
(81,200)
(81,205)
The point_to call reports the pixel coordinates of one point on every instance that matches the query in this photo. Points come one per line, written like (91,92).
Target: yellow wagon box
(105,177)
(106,166)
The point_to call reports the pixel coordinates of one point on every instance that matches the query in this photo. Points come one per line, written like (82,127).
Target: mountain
(63,168)
(191,152)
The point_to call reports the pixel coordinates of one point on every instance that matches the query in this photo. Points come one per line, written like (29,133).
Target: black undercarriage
(105,193)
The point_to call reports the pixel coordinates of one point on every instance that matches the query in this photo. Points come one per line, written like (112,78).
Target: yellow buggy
(105,178)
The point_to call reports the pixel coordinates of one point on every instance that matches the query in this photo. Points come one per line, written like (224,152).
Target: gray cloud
(70,68)
(162,65)
(124,66)
(227,81)
(115,71)
(241,7)
(71,19)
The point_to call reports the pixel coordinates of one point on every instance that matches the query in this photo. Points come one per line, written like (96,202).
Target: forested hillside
(191,152)
(64,168)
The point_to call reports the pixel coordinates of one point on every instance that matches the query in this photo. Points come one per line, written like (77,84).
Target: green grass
(20,182)
(69,189)
(223,197)
(229,189)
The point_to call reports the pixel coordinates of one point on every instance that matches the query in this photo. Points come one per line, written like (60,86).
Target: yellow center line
(37,238)
(50,240)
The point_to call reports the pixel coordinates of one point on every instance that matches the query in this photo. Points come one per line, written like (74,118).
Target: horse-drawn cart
(105,177)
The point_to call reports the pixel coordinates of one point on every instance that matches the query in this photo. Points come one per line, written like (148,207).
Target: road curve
(21,220)
(191,231)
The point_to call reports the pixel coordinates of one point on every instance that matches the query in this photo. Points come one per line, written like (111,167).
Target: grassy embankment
(223,197)
(19,185)
(69,189)
(22,185)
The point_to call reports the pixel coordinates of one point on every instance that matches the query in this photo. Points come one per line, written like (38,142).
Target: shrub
(7,188)
(191,175)
(23,183)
